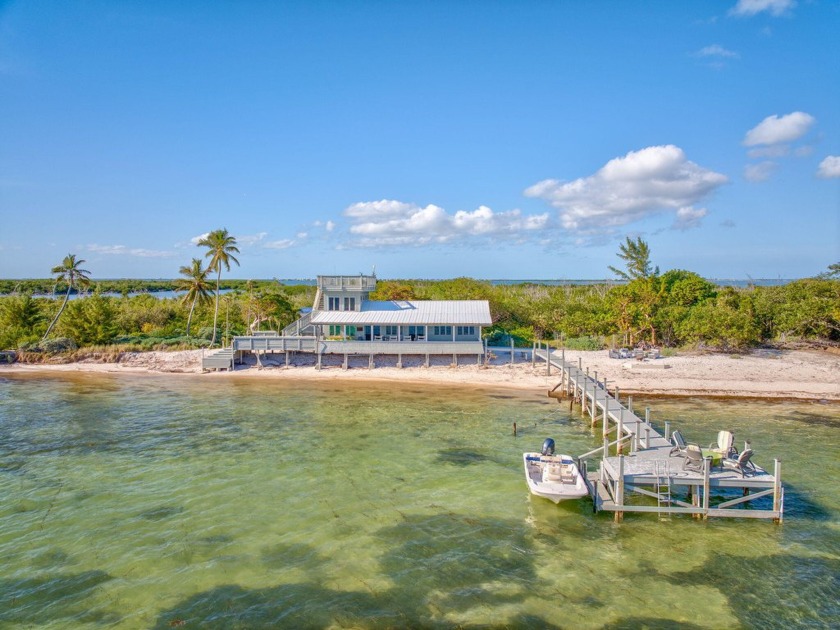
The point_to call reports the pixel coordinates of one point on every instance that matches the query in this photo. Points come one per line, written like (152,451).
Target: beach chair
(679,443)
(693,458)
(741,463)
(724,445)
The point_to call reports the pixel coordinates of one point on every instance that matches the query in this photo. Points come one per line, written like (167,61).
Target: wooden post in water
(647,436)
(630,404)
(592,406)
(606,417)
(617,398)
(620,430)
(534,354)
(638,433)
(511,351)
(344,365)
(547,359)
(619,495)
(707,466)
(606,447)
(778,503)
(667,430)
(647,415)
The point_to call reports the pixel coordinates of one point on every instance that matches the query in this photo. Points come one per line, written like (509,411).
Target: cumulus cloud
(753,7)
(628,189)
(776,129)
(195,239)
(759,172)
(689,218)
(829,167)
(716,50)
(389,222)
(122,250)
(251,239)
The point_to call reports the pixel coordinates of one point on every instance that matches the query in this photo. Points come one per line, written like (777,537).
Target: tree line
(677,308)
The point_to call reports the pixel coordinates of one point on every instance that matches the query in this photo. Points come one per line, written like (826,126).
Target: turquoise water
(135,502)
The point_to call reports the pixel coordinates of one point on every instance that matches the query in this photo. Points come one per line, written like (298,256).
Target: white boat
(553,477)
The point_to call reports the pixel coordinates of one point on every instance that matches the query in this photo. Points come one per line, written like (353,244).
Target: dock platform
(637,472)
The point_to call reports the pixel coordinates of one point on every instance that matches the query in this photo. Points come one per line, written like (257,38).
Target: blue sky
(430,139)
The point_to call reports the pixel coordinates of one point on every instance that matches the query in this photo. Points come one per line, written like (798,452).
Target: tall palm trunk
(216,312)
(189,317)
(57,315)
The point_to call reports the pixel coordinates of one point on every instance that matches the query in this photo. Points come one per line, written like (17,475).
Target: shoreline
(778,375)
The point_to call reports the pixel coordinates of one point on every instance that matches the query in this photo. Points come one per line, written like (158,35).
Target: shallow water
(136,502)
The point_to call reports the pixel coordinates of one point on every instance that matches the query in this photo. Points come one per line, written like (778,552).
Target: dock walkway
(642,466)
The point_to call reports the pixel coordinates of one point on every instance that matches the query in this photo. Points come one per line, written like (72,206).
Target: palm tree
(70,273)
(196,286)
(220,249)
(637,256)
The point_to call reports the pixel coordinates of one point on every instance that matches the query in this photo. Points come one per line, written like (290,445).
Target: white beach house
(344,321)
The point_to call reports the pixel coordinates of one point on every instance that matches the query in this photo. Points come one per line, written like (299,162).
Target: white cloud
(251,239)
(329,226)
(122,250)
(775,129)
(284,243)
(829,167)
(689,218)
(195,239)
(389,222)
(716,50)
(753,7)
(301,235)
(774,151)
(759,172)
(628,189)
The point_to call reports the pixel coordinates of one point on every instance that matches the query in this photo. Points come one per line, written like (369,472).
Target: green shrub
(584,343)
(57,345)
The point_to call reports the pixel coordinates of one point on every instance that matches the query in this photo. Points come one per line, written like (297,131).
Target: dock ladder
(662,486)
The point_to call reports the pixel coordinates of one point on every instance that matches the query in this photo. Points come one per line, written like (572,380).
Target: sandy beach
(794,374)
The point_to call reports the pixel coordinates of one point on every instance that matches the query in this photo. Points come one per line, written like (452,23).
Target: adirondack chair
(693,458)
(741,463)
(724,445)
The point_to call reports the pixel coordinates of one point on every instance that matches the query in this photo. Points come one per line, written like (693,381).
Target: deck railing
(362,283)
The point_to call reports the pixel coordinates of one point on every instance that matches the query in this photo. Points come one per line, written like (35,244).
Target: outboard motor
(548,447)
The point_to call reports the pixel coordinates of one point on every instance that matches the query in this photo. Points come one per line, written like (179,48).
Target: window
(464,331)
(335,331)
(391,331)
(349,304)
(442,331)
(334,304)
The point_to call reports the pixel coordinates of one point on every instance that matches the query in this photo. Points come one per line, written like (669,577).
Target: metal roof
(411,312)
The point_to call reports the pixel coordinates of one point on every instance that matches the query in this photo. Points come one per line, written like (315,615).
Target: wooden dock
(636,471)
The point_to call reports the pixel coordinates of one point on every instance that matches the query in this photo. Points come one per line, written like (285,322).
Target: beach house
(344,320)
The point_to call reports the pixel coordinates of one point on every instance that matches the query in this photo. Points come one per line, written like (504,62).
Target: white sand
(763,374)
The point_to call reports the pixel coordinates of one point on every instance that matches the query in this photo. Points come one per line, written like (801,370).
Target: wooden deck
(636,462)
(272,344)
